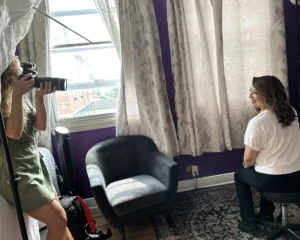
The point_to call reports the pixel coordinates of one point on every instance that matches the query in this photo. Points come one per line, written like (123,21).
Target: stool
(284,226)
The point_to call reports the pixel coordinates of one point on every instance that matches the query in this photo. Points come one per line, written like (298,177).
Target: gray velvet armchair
(131,180)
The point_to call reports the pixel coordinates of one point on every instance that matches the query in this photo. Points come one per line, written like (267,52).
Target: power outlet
(195,170)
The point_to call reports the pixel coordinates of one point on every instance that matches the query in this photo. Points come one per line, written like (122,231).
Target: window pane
(93,75)
(87,102)
(82,25)
(68,5)
(81,16)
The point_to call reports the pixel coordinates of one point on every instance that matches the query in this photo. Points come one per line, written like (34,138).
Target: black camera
(59,83)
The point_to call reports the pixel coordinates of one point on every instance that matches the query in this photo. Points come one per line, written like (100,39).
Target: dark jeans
(247,177)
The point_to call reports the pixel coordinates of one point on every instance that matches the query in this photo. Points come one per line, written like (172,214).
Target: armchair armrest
(95,176)
(98,186)
(162,168)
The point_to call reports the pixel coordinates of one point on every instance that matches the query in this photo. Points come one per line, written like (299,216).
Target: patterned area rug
(212,213)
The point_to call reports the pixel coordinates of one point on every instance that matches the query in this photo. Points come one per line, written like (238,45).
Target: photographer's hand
(14,124)
(23,86)
(41,114)
(45,89)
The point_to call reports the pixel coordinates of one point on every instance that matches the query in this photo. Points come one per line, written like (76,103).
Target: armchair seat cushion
(135,193)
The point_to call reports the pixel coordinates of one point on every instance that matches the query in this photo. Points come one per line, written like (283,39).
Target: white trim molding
(186,185)
(204,182)
(87,123)
(91,203)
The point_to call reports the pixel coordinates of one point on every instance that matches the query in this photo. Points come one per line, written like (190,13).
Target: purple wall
(291,51)
(209,163)
(160,9)
(81,142)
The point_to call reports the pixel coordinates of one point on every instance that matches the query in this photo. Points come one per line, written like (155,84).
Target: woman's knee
(59,220)
(52,214)
(240,174)
(237,174)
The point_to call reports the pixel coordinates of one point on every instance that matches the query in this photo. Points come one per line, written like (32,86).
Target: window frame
(84,123)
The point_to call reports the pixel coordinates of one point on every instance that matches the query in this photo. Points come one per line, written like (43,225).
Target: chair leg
(293,233)
(170,219)
(284,214)
(122,232)
(277,233)
(268,224)
(295,227)
(285,227)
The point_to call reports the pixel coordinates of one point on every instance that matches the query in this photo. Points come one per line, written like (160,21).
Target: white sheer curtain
(15,20)
(254,45)
(108,10)
(216,49)
(143,102)
(35,48)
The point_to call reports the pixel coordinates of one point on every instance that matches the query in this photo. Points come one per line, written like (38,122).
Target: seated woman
(272,156)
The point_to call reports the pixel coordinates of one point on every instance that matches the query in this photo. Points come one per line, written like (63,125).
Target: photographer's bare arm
(14,124)
(41,114)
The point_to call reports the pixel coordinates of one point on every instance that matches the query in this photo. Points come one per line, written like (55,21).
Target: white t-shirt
(278,147)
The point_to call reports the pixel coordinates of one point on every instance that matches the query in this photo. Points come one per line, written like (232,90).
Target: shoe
(262,217)
(247,228)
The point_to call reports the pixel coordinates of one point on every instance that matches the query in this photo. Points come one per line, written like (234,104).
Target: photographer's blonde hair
(10,75)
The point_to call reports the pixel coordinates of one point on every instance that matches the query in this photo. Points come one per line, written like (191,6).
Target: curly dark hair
(276,98)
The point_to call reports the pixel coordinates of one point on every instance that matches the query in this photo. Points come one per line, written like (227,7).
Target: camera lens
(59,83)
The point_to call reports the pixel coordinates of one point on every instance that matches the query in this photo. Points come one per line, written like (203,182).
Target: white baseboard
(91,203)
(187,185)
(204,182)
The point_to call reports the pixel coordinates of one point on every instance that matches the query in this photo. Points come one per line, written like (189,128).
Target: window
(92,69)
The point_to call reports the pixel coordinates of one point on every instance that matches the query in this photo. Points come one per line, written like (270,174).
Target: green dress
(35,187)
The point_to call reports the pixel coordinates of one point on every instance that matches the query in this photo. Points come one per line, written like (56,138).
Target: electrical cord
(195,180)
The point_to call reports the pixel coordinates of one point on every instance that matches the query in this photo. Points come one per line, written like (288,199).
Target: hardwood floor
(141,231)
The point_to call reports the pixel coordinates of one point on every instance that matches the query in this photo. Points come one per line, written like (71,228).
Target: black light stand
(298,52)
(14,180)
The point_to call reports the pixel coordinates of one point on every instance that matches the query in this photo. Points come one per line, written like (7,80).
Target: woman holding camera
(37,194)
